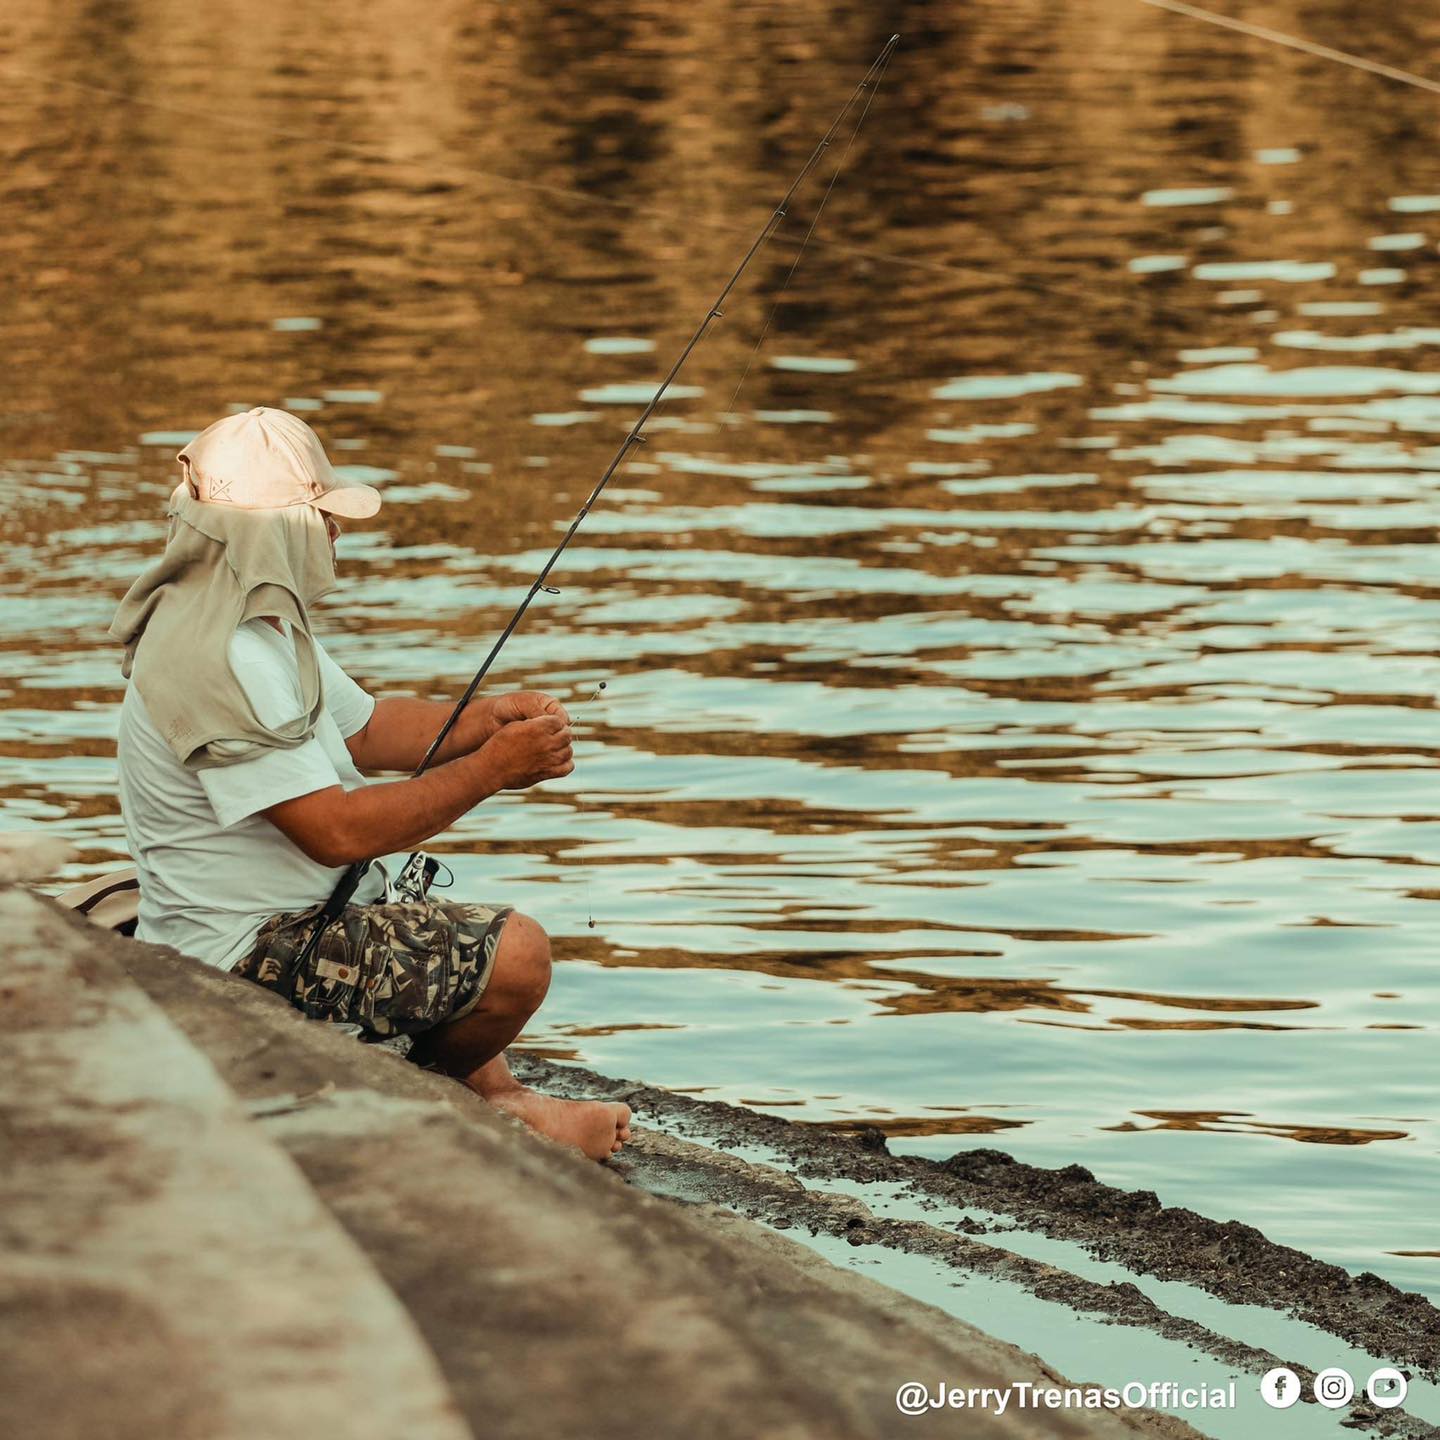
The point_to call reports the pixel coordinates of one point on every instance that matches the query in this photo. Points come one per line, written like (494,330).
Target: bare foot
(597,1127)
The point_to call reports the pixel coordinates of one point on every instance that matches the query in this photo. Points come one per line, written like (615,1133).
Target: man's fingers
(534,705)
(552,724)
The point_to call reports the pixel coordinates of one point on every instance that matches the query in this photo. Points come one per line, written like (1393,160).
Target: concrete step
(561,1302)
(165,1270)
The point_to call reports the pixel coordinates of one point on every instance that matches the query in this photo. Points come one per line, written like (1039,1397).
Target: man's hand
(525,705)
(525,752)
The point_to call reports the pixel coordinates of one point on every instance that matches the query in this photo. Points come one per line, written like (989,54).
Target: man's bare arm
(337,827)
(400,730)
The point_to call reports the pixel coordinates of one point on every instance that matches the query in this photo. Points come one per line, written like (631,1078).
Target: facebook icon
(1280,1388)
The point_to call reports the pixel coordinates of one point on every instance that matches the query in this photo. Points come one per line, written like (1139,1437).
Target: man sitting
(241,746)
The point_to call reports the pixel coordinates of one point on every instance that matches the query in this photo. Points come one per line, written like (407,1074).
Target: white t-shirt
(212,868)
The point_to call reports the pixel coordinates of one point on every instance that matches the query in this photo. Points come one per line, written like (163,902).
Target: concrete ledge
(165,1272)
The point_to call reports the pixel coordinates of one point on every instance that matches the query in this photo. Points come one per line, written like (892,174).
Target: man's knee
(522,965)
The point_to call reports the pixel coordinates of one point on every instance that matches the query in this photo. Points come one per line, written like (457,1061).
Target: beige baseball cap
(268,459)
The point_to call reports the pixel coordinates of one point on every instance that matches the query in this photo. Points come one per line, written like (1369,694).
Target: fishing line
(1297,42)
(589,871)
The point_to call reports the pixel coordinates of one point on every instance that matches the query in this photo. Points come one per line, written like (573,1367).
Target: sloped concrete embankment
(222,1221)
(165,1270)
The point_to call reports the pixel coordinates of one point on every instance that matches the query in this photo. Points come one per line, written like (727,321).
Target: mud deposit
(980,1210)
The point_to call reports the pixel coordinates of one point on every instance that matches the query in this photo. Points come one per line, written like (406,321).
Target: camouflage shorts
(395,969)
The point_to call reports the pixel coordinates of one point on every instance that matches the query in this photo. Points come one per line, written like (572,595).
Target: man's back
(212,868)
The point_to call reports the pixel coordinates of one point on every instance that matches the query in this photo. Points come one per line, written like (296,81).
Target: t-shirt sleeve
(350,707)
(271,680)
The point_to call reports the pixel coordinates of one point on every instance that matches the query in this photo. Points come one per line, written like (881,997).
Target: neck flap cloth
(222,566)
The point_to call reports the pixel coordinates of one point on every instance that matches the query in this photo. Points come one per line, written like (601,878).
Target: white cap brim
(354,502)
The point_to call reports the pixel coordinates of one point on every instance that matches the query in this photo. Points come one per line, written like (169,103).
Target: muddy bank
(662,1164)
(1234,1262)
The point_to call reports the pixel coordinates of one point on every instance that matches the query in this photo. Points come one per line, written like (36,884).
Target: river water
(1019,723)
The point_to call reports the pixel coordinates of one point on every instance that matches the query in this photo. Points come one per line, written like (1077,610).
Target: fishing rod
(350,880)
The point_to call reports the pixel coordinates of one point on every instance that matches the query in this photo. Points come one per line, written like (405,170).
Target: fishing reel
(413,882)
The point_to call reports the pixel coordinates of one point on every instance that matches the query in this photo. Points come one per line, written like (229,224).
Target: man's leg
(516,989)
(473,1048)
